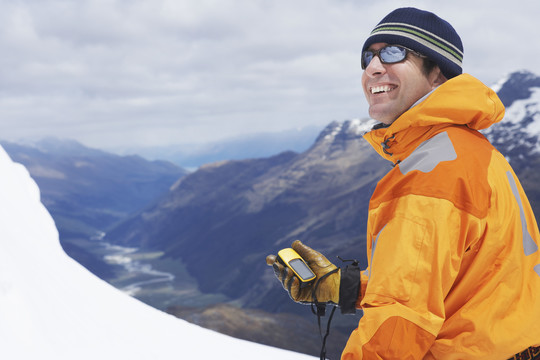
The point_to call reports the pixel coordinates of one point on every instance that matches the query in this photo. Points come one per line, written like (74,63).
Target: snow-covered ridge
(53,308)
(361,126)
(354,127)
(523,75)
(499,84)
(527,108)
(517,135)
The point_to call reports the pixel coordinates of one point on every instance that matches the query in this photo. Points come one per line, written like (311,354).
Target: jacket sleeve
(413,256)
(362,288)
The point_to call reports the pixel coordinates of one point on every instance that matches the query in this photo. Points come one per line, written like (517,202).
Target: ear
(436,77)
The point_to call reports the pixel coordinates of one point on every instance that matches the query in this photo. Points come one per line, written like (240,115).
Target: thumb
(270,260)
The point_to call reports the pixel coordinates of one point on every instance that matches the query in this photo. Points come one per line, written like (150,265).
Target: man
(452,243)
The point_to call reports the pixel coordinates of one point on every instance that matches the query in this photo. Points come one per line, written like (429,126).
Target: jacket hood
(462,100)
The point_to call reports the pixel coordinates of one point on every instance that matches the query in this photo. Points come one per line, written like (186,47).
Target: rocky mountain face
(223,220)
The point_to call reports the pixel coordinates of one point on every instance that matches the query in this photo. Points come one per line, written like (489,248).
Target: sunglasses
(389,54)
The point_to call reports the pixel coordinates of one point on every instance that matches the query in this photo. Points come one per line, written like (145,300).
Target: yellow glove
(322,289)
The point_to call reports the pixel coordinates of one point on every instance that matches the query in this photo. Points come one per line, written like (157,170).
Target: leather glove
(326,290)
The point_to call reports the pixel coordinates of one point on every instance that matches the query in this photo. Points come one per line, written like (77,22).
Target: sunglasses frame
(377,54)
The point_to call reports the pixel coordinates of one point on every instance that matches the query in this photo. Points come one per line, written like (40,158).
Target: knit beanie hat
(424,32)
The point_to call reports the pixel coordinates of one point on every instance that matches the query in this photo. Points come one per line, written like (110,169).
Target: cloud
(118,72)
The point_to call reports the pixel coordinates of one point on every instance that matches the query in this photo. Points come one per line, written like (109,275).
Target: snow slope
(53,308)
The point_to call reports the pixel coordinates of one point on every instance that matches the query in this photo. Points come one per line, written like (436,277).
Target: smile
(382,89)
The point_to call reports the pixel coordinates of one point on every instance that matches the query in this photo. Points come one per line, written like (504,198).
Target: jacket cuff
(348,289)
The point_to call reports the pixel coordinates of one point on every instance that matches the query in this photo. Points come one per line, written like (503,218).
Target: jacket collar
(462,100)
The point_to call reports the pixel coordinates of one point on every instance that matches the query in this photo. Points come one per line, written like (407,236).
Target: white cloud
(111,72)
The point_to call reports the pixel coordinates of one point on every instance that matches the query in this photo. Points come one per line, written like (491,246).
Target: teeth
(380,89)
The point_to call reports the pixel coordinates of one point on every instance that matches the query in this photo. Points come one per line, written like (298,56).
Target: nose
(375,67)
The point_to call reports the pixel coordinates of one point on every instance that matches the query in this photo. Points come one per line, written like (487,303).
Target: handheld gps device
(293,261)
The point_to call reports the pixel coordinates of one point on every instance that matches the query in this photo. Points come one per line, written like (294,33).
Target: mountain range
(89,190)
(191,156)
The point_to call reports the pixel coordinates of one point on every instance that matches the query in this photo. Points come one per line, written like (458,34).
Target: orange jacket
(453,259)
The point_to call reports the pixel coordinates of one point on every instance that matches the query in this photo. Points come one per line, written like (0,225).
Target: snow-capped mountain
(517,85)
(517,135)
(53,308)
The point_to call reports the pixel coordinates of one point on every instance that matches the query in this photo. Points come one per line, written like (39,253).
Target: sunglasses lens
(388,55)
(392,54)
(367,56)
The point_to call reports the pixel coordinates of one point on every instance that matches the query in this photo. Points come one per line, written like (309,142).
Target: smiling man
(452,243)
(391,90)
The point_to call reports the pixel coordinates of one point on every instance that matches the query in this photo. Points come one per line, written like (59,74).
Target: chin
(382,118)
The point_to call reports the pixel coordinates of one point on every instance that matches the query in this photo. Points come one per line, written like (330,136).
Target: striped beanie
(423,32)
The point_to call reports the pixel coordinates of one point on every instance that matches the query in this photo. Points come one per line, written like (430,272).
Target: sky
(52,308)
(125,73)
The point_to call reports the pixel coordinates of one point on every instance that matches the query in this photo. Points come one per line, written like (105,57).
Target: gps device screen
(301,269)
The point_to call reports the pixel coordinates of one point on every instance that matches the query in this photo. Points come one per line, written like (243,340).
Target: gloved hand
(327,289)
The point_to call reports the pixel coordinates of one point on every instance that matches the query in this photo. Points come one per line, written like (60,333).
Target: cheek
(364,88)
(420,90)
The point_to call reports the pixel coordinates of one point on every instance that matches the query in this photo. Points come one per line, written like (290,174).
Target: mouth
(382,89)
